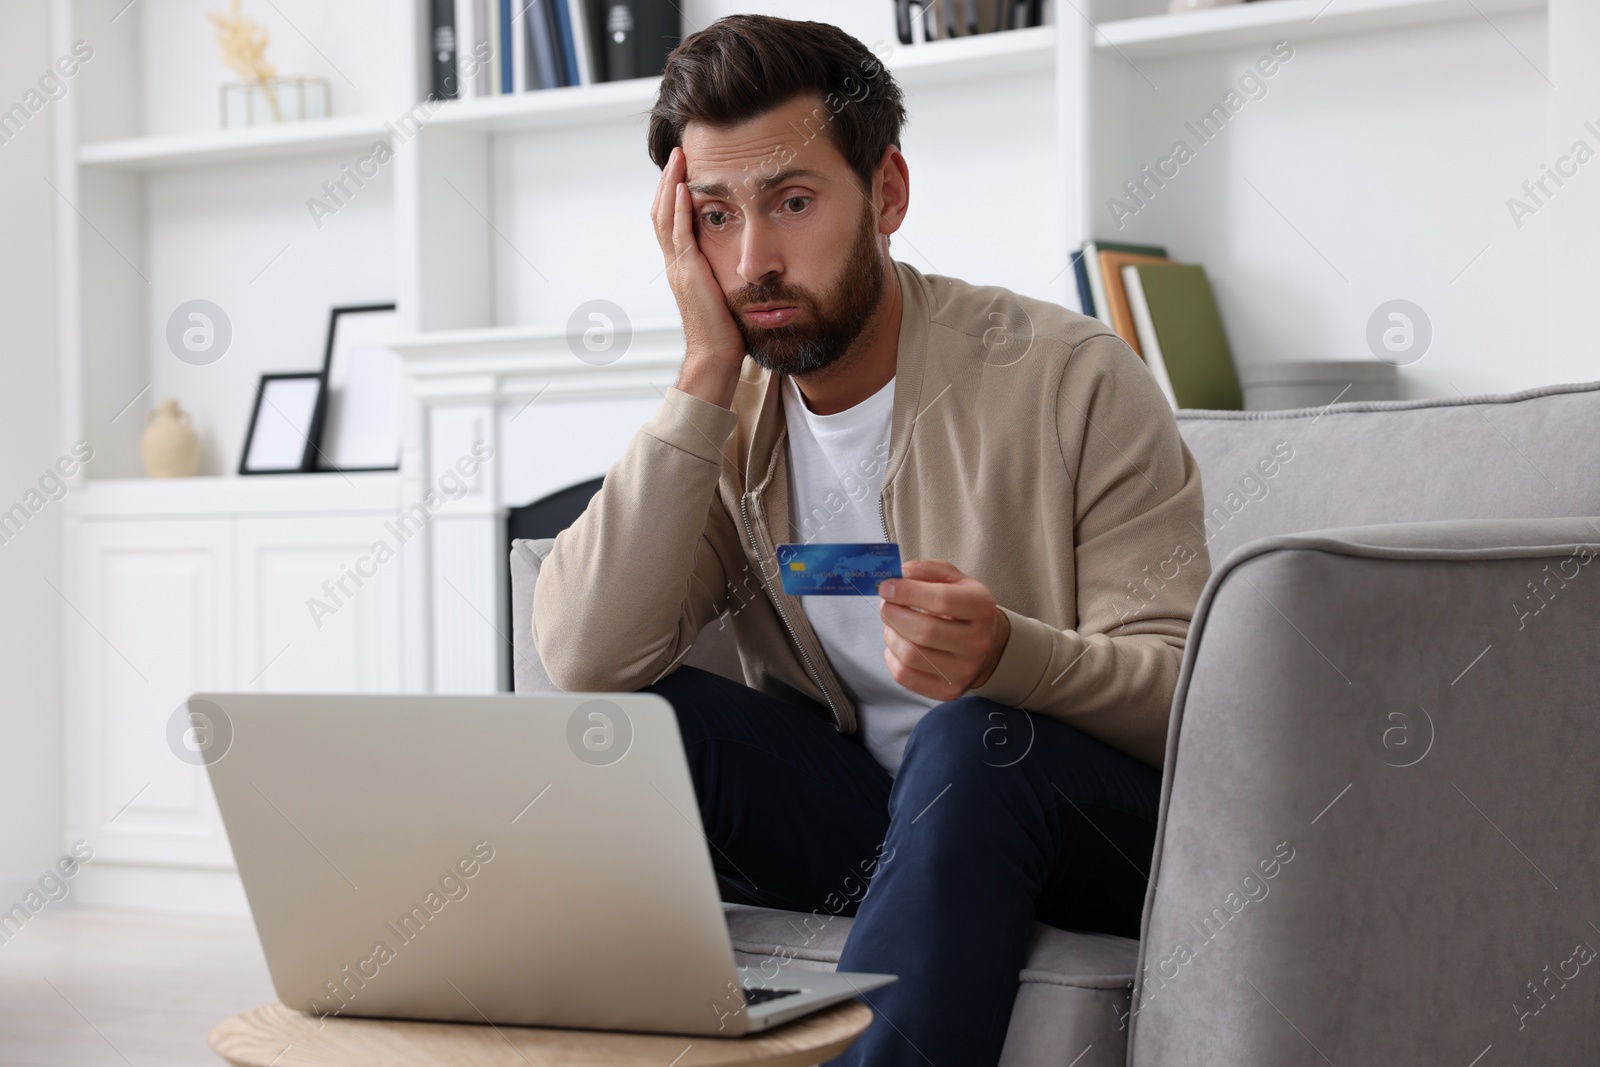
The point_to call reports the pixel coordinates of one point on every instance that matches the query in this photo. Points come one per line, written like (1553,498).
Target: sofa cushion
(1521,455)
(713,651)
(1071,1003)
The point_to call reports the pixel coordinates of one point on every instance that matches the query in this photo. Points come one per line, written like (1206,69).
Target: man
(982,739)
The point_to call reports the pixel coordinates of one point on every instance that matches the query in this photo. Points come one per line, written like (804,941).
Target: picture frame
(364,379)
(285,424)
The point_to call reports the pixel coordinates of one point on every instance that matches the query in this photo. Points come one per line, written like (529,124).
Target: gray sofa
(1380,823)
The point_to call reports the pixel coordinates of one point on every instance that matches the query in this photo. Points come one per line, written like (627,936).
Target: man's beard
(801,347)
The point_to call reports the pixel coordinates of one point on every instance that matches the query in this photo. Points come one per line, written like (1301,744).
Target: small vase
(170,448)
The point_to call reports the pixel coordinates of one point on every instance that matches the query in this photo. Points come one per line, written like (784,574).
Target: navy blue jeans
(996,818)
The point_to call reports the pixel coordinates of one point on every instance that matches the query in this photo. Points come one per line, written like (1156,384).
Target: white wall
(30,626)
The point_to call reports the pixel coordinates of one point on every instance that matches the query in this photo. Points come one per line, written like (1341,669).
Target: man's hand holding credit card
(837,569)
(943,633)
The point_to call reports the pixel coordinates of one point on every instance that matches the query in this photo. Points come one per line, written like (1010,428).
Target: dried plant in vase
(243,42)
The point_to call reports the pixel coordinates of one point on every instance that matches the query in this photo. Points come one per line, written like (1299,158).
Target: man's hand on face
(943,633)
(715,348)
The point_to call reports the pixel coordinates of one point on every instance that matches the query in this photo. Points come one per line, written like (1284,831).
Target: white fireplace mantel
(484,389)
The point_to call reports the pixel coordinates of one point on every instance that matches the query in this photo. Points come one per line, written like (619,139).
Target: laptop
(532,860)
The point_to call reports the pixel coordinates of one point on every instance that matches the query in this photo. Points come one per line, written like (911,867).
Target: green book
(1181,334)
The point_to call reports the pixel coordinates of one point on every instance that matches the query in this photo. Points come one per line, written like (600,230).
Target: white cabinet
(319,611)
(209,584)
(147,626)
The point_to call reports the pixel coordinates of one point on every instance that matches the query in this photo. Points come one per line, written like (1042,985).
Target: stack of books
(941,19)
(1166,312)
(494,47)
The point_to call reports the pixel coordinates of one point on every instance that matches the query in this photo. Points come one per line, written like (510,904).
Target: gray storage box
(1277,386)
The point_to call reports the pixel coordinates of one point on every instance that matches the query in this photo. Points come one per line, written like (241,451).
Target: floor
(82,987)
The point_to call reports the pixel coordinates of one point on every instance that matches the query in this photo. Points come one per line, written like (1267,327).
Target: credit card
(837,569)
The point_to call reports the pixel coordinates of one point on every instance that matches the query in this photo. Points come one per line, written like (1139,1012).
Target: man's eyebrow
(783,178)
(722,190)
(719,190)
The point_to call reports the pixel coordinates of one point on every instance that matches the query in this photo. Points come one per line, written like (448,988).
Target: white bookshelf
(936,63)
(224,147)
(578,105)
(1083,92)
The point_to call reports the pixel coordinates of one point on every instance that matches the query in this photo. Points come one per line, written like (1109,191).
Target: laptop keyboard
(754,995)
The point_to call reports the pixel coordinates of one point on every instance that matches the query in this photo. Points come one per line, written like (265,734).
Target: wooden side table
(275,1036)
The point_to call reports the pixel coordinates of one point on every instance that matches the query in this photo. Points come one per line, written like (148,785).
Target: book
(902,22)
(1097,290)
(1080,274)
(1185,346)
(509,52)
(492,61)
(543,69)
(988,15)
(519,46)
(554,13)
(566,43)
(1139,306)
(442,49)
(472,48)
(1111,264)
(582,42)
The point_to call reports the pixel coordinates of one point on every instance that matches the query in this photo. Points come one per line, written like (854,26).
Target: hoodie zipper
(744,514)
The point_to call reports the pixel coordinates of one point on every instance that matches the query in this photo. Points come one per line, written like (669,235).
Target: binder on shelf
(621,29)
(639,34)
(1180,328)
(442,49)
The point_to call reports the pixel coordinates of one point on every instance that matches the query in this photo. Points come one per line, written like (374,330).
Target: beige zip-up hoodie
(1029,446)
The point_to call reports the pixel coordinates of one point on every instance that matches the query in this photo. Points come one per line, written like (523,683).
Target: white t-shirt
(836,466)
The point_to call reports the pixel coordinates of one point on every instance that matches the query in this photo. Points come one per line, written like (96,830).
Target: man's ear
(891,190)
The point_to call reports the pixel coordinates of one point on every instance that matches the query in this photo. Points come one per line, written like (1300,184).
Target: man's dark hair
(742,66)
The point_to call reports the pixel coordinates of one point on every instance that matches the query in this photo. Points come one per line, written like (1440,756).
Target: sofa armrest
(713,649)
(1377,816)
(527,669)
